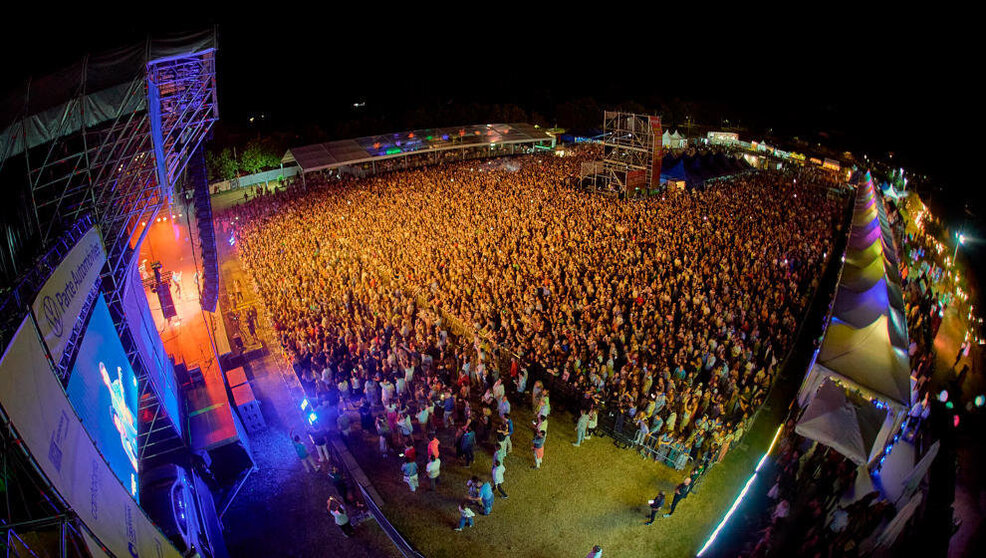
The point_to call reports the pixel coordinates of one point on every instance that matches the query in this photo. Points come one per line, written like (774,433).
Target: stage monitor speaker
(163,291)
(207,235)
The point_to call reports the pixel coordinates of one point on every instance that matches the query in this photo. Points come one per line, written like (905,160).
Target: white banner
(59,303)
(40,413)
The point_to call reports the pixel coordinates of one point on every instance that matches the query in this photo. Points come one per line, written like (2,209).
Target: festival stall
(864,351)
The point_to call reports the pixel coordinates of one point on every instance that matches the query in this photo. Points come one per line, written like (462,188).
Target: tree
(222,166)
(259,155)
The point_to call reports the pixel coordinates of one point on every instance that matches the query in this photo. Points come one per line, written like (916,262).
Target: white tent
(842,421)
(673,140)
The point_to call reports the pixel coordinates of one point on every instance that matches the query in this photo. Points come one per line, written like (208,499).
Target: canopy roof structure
(91,91)
(334,154)
(843,421)
(865,345)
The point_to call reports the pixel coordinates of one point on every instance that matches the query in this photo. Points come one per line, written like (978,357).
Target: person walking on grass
(433,470)
(581,427)
(383,433)
(466,516)
(338,481)
(338,512)
(485,496)
(497,475)
(538,447)
(655,506)
(306,458)
(433,445)
(469,445)
(410,470)
(680,493)
(509,426)
(596,552)
(593,422)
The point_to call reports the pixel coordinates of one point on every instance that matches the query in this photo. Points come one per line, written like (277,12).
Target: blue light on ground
(742,494)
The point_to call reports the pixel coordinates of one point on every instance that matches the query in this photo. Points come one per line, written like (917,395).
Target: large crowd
(407,290)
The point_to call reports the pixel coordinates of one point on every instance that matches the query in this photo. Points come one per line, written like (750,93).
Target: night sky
(871,84)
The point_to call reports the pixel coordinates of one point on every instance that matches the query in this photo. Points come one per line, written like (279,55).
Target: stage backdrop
(39,411)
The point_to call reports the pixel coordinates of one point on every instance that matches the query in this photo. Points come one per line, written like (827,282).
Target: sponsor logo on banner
(131,533)
(65,292)
(57,437)
(94,471)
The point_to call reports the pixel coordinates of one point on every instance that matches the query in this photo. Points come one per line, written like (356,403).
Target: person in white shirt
(466,516)
(340,516)
(497,474)
(386,391)
(504,406)
(433,470)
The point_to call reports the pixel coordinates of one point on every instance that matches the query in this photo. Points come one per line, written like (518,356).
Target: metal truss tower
(110,155)
(631,163)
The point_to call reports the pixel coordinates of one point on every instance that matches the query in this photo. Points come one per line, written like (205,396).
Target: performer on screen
(123,417)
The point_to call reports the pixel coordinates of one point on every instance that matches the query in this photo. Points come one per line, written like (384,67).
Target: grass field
(596,494)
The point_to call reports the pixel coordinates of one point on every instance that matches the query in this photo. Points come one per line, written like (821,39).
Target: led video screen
(102,388)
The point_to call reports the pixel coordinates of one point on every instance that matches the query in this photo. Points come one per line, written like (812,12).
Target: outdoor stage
(188,337)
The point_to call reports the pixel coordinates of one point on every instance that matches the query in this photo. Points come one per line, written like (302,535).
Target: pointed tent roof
(861,257)
(862,237)
(862,308)
(843,421)
(861,278)
(866,312)
(867,357)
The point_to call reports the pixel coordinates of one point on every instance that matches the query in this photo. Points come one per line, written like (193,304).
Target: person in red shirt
(410,453)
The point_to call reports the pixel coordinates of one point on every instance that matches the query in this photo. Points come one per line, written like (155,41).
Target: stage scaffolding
(631,163)
(107,152)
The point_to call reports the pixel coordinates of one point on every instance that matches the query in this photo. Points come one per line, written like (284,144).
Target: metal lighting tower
(631,163)
(106,149)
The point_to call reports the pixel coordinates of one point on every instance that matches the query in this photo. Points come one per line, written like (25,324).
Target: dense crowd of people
(805,516)
(393,293)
